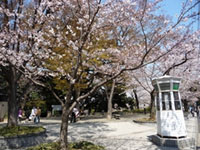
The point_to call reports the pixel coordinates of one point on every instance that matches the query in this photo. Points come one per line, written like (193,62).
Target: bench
(116,115)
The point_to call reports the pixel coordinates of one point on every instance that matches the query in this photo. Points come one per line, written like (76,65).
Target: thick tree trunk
(109,113)
(152,107)
(64,128)
(136,99)
(12,101)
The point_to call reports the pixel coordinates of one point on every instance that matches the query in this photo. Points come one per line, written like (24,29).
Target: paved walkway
(121,134)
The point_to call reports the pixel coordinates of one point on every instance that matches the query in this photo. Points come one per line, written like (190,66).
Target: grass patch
(19,130)
(83,145)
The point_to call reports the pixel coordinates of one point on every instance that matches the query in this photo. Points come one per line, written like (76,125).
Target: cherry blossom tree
(83,44)
(182,62)
(10,52)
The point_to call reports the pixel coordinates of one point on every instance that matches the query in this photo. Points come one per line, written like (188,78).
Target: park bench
(116,115)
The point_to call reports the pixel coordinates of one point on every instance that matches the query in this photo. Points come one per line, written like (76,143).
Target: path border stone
(22,141)
(175,143)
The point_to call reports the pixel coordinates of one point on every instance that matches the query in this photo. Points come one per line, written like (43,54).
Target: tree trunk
(12,101)
(64,128)
(109,113)
(136,99)
(152,107)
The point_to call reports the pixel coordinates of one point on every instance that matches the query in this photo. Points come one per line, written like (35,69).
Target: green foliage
(19,130)
(138,111)
(148,109)
(141,110)
(57,113)
(36,101)
(127,111)
(34,95)
(83,145)
(46,146)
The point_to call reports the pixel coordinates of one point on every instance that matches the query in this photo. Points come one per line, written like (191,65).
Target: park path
(121,134)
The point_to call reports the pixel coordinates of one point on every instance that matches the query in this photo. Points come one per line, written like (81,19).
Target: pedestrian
(145,112)
(74,115)
(116,106)
(33,114)
(20,114)
(192,111)
(38,114)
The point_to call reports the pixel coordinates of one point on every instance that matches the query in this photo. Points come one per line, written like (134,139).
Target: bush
(127,111)
(19,130)
(138,111)
(141,110)
(46,146)
(57,113)
(148,109)
(83,145)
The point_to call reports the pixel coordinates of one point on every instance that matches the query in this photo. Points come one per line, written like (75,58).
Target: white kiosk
(170,119)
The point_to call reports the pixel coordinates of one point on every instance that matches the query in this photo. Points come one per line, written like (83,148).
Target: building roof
(165,78)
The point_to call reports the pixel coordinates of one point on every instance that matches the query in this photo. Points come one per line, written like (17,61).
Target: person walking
(20,113)
(33,114)
(38,114)
(192,111)
(74,115)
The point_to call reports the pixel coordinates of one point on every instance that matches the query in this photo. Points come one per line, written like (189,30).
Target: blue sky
(170,7)
(173,8)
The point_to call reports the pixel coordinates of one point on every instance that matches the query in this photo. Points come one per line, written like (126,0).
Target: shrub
(19,130)
(127,111)
(83,145)
(138,111)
